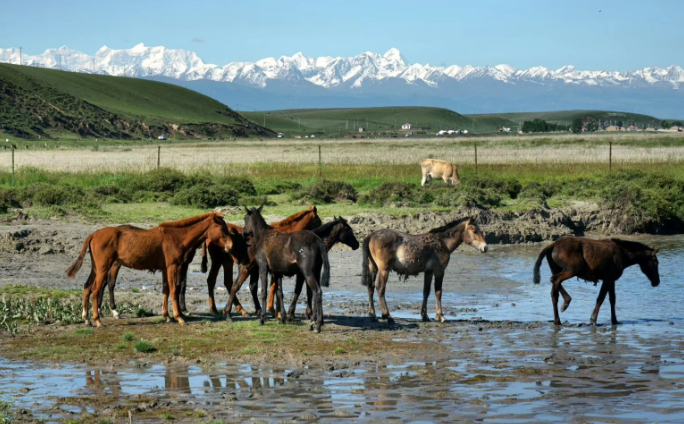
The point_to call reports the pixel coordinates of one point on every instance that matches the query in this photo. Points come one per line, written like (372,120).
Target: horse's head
(649,266)
(346,234)
(218,233)
(312,218)
(473,236)
(250,229)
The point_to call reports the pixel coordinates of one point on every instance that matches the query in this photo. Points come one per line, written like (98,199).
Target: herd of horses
(298,246)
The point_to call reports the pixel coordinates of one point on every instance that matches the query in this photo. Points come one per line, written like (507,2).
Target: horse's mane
(631,245)
(189,221)
(292,218)
(328,225)
(449,226)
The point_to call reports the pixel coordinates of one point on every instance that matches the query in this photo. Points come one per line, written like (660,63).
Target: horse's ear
(260,208)
(655,250)
(313,208)
(247,210)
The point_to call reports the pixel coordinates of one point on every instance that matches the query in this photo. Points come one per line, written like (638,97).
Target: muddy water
(507,363)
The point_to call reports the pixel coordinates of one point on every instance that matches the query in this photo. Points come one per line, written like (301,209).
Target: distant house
(632,128)
(406,126)
(362,129)
(464,132)
(504,129)
(441,132)
(161,137)
(281,135)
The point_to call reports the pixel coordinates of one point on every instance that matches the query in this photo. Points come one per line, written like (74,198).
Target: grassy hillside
(566,117)
(336,121)
(50,103)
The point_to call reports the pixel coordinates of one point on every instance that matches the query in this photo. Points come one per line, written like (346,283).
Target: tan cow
(433,168)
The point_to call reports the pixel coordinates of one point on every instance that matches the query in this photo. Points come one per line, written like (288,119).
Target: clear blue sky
(626,34)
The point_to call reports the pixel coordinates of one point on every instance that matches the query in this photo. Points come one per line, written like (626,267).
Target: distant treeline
(540,125)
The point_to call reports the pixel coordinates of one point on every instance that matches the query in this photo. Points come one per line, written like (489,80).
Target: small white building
(441,132)
(406,126)
(450,132)
(161,137)
(281,135)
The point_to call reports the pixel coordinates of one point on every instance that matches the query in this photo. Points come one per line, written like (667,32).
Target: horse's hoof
(390,320)
(557,323)
(167,318)
(245,313)
(257,313)
(373,317)
(311,326)
(565,306)
(425,318)
(88,323)
(261,322)
(615,322)
(98,323)
(318,329)
(115,314)
(441,319)
(273,313)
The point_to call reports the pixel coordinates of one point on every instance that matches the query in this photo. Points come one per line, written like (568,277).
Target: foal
(388,250)
(284,255)
(594,260)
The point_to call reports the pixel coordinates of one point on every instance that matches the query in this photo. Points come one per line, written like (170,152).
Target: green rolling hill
(566,117)
(339,121)
(56,104)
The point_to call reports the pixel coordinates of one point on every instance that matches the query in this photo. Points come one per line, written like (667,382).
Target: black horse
(284,255)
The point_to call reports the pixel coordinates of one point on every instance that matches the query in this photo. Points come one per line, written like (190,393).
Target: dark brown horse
(283,255)
(406,254)
(336,231)
(304,220)
(161,248)
(594,260)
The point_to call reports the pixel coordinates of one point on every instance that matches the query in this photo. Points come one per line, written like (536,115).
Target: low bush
(8,199)
(143,346)
(249,201)
(326,191)
(242,185)
(206,197)
(393,194)
(111,194)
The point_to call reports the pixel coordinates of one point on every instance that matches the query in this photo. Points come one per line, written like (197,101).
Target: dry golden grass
(218,157)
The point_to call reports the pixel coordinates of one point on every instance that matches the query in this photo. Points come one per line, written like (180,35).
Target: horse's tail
(544,253)
(73,269)
(325,278)
(204,257)
(367,276)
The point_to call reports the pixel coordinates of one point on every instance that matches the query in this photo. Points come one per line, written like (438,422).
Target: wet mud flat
(498,359)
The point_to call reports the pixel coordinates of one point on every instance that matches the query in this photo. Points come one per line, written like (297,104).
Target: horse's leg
(211,284)
(599,301)
(244,273)
(100,277)
(566,297)
(382,284)
(317,318)
(183,286)
(299,283)
(439,278)
(174,275)
(165,295)
(113,275)
(279,290)
(371,301)
(309,296)
(254,289)
(422,182)
(271,298)
(611,297)
(228,284)
(263,274)
(87,290)
(427,282)
(557,280)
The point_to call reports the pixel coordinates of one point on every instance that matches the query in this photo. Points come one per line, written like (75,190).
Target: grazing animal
(388,250)
(336,231)
(161,248)
(594,260)
(283,255)
(304,220)
(433,168)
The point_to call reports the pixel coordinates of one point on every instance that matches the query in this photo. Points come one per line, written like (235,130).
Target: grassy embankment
(74,107)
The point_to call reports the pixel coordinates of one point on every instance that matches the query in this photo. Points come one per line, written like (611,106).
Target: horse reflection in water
(103,382)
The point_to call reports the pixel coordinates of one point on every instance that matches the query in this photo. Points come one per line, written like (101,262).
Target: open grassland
(242,157)
(567,116)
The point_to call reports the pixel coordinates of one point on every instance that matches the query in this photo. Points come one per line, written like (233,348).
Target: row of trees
(539,125)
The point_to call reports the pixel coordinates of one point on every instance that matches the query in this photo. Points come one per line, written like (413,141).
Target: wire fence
(220,158)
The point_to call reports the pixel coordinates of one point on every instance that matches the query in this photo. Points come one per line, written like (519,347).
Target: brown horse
(406,254)
(304,220)
(161,248)
(594,260)
(283,255)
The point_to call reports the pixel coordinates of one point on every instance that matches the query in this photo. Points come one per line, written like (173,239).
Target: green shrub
(143,346)
(160,180)
(8,199)
(467,197)
(206,197)
(394,194)
(249,201)
(150,196)
(242,185)
(325,191)
(282,188)
(127,336)
(540,190)
(503,186)
(111,194)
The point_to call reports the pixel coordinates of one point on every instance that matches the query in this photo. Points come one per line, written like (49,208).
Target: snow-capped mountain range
(366,74)
(143,61)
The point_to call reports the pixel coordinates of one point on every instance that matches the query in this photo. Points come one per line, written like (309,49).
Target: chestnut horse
(594,260)
(406,254)
(304,220)
(336,231)
(162,248)
(283,255)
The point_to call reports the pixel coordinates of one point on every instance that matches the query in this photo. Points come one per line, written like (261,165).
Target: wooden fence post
(158,156)
(475,158)
(12,166)
(320,163)
(610,157)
